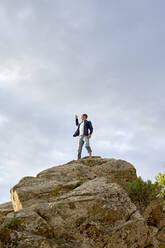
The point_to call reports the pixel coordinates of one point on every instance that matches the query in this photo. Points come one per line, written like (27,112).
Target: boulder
(29,221)
(10,238)
(161,235)
(115,170)
(153,213)
(81,204)
(48,184)
(96,212)
(7,205)
(32,190)
(5,208)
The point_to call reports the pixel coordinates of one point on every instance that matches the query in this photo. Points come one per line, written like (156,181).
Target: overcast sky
(59,58)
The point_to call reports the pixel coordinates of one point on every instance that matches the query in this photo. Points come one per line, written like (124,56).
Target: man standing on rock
(82,132)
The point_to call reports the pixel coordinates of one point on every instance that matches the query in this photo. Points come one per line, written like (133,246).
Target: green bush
(160,182)
(142,192)
(14,223)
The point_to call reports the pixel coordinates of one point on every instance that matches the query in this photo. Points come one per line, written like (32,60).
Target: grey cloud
(60,58)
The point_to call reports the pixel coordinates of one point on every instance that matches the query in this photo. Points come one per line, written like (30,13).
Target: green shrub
(142,192)
(14,223)
(160,182)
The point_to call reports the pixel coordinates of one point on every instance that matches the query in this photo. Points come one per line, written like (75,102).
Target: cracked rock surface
(80,204)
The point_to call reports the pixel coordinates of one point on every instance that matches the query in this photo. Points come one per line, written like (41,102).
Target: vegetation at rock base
(59,241)
(142,192)
(14,223)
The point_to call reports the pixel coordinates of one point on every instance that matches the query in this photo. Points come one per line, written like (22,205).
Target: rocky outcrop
(81,204)
(63,178)
(6,208)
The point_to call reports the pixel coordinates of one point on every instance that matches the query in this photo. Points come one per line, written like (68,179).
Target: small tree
(141,192)
(160,181)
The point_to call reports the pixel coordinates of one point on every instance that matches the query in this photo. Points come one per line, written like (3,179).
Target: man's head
(84,117)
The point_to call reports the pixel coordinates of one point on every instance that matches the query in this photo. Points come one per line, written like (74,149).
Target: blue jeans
(83,139)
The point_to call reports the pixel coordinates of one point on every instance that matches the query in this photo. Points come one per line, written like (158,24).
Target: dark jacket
(87,125)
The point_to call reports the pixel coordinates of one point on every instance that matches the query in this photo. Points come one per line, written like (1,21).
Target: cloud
(62,58)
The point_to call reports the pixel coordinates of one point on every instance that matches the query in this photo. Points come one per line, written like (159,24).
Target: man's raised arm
(76,118)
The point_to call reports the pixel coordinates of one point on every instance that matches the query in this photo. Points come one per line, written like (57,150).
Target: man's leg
(90,154)
(80,145)
(86,140)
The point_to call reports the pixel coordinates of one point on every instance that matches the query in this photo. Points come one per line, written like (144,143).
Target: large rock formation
(50,183)
(81,204)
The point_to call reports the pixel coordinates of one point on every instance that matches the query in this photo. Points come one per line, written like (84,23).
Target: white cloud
(63,58)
